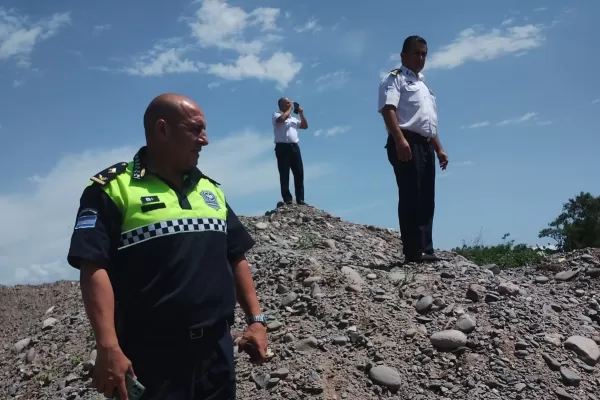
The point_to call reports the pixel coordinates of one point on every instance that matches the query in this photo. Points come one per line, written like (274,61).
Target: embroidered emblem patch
(86,218)
(210,199)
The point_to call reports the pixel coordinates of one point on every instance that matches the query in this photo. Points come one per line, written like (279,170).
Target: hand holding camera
(297,108)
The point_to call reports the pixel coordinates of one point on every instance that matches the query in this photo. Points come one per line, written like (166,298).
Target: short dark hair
(411,41)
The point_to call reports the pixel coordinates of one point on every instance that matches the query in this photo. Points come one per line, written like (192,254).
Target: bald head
(170,107)
(175,129)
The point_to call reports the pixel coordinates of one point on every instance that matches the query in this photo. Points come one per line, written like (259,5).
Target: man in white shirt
(408,108)
(287,150)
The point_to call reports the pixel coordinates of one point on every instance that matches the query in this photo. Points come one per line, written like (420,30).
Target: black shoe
(301,203)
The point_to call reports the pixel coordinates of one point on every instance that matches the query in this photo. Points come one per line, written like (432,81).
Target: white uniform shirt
(287,131)
(414,101)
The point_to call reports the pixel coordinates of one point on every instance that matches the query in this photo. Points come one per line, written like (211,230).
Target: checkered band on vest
(171,227)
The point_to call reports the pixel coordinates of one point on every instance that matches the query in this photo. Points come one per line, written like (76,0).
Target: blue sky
(517,89)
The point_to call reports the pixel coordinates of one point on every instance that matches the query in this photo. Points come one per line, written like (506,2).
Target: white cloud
(508,21)
(331,131)
(37,222)
(163,59)
(19,35)
(476,125)
(218,25)
(312,25)
(519,120)
(99,29)
(332,80)
(596,101)
(474,44)
(527,117)
(280,67)
(540,9)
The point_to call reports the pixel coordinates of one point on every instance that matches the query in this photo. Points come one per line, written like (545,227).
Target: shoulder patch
(395,71)
(107,175)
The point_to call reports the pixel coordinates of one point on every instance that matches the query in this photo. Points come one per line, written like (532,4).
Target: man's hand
(403,150)
(109,372)
(443,159)
(254,342)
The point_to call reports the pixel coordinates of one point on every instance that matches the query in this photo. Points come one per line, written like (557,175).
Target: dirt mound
(346,321)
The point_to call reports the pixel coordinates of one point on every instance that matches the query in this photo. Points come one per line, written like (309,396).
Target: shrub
(505,255)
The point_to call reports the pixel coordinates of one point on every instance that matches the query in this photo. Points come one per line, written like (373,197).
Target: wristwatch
(257,318)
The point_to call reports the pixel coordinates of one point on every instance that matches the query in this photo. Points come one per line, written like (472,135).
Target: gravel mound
(346,321)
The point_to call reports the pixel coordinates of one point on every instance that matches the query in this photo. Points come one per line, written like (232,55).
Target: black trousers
(178,367)
(289,158)
(416,193)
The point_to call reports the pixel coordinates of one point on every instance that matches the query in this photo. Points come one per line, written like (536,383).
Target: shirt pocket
(412,94)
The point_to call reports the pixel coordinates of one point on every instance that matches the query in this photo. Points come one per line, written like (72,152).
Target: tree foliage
(578,225)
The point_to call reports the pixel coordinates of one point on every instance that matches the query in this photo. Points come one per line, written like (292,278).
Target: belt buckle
(196,333)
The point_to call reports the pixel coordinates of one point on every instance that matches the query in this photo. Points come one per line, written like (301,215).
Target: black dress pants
(416,193)
(289,158)
(180,367)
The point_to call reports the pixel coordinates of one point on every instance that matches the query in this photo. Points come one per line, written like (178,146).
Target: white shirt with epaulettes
(415,103)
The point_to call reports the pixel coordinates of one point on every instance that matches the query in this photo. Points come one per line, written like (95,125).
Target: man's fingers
(131,372)
(99,382)
(122,389)
(262,351)
(242,344)
(109,388)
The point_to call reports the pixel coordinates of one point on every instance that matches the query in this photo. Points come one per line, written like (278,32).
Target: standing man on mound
(409,111)
(287,150)
(156,240)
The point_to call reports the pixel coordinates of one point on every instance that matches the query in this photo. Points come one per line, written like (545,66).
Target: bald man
(161,256)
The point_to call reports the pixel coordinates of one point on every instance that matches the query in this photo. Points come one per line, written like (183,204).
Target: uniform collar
(408,72)
(140,168)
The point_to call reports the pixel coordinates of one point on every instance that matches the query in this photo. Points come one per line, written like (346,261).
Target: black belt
(414,136)
(286,144)
(175,333)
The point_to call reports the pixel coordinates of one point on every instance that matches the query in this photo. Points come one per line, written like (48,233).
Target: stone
(585,348)
(466,323)
(424,304)
(476,293)
(448,340)
(386,376)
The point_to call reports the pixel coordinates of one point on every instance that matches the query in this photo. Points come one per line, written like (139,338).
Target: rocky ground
(347,322)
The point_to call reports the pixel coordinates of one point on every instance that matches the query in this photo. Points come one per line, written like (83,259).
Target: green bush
(504,255)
